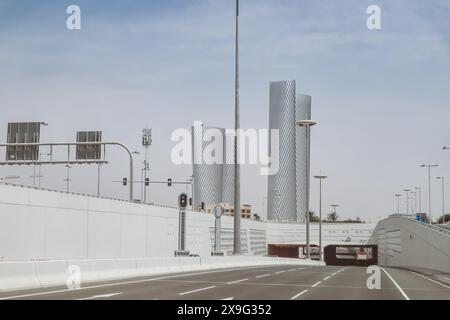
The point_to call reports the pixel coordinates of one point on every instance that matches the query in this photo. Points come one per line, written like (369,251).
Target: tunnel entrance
(351,255)
(293,251)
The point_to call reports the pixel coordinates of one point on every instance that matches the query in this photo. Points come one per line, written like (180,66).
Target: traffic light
(183,200)
(124,181)
(190,201)
(147,181)
(203,206)
(169,182)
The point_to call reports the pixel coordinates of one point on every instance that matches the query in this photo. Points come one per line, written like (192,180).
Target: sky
(381,97)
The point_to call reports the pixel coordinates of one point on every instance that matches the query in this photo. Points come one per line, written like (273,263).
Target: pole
(429,193)
(142,185)
(68,177)
(415,202)
(98,180)
(443,200)
(420,199)
(398,203)
(308,254)
(146,174)
(320,219)
(407,201)
(237,191)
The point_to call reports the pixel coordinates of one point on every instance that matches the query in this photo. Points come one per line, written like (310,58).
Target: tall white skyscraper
(286,192)
(281,195)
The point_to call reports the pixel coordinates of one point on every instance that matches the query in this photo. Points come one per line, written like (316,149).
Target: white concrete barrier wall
(35,274)
(49,225)
(18,275)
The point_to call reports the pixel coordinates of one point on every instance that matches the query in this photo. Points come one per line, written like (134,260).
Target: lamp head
(306,123)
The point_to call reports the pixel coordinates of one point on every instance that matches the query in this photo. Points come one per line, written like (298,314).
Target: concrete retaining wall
(39,224)
(410,244)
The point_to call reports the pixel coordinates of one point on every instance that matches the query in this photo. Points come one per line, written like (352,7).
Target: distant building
(213,183)
(286,192)
(246,210)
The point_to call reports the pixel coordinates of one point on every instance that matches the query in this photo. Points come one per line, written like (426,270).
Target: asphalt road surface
(255,283)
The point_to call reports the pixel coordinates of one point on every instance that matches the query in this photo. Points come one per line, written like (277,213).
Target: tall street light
(443,198)
(320,177)
(419,189)
(407,199)
(237,182)
(307,124)
(429,166)
(398,202)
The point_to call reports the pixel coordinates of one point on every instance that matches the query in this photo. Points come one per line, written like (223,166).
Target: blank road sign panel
(89,152)
(23,132)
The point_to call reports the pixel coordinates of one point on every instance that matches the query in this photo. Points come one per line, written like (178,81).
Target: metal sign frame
(68,145)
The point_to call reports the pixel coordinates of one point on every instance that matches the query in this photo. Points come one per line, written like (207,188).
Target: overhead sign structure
(89,152)
(23,132)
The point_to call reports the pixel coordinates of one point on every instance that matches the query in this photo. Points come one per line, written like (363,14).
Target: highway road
(255,283)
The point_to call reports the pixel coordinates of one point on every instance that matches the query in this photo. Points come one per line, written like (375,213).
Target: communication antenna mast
(146,142)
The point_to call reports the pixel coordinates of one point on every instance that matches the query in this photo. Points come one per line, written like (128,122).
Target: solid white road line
(262,276)
(316,284)
(101,296)
(396,284)
(430,279)
(123,283)
(192,291)
(298,295)
(327,278)
(230,298)
(279,272)
(237,281)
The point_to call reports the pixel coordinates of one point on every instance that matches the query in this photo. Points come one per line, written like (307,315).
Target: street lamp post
(320,177)
(307,124)
(443,198)
(419,189)
(237,176)
(407,199)
(429,166)
(398,202)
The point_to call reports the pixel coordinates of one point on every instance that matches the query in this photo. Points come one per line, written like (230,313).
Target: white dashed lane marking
(237,281)
(298,295)
(192,291)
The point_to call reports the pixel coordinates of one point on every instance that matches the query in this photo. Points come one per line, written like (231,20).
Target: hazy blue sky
(381,97)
